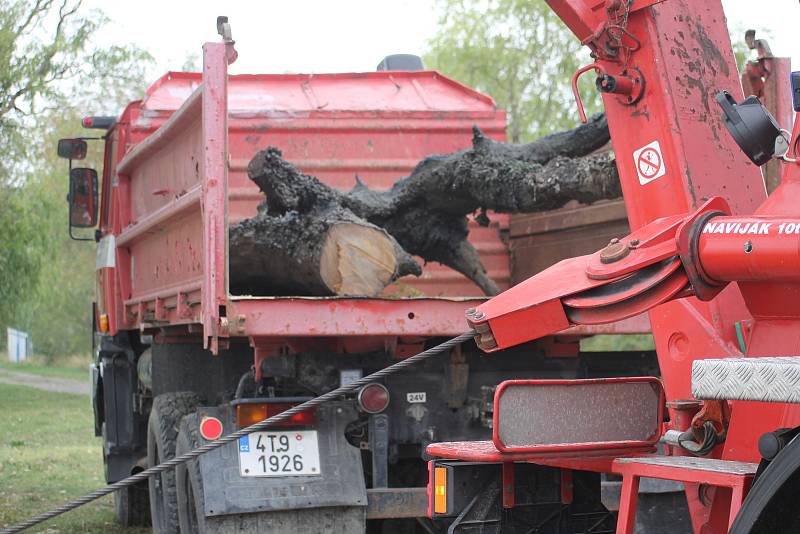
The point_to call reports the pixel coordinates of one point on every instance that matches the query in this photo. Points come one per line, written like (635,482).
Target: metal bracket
(456,374)
(224,29)
(379,447)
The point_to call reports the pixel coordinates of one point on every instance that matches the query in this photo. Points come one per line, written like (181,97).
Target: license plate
(279,454)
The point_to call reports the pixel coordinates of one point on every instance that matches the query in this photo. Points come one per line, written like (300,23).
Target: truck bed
(181,181)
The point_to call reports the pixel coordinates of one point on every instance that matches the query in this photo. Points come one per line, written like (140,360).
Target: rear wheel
(162,433)
(771,505)
(189,481)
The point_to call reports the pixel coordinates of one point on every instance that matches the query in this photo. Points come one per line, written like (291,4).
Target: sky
(341,35)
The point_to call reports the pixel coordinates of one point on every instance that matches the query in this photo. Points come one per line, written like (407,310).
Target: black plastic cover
(401,62)
(752,126)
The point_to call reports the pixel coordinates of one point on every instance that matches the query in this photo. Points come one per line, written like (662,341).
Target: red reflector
(373,398)
(87,122)
(210,428)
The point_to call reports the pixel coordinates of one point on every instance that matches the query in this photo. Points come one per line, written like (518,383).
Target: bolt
(748,247)
(614,252)
(614,241)
(482,328)
(633,243)
(470,312)
(479,315)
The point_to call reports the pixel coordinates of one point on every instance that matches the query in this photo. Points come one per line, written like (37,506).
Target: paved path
(46,383)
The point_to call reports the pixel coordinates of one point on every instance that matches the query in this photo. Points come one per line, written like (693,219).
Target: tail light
(439,490)
(252,411)
(103,323)
(373,398)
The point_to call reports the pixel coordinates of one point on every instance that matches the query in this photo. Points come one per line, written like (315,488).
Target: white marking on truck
(734,227)
(417,397)
(348,376)
(753,228)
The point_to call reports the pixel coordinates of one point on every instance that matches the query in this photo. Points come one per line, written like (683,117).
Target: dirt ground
(44,383)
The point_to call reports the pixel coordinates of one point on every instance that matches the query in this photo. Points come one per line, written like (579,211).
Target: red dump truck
(182,360)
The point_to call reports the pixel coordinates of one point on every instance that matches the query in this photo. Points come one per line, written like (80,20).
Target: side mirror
(82,197)
(72,148)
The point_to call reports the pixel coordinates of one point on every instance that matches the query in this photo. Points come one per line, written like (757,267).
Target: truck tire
(771,504)
(162,433)
(189,481)
(191,505)
(132,506)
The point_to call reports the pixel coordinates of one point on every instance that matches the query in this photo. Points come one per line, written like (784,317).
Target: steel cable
(169,464)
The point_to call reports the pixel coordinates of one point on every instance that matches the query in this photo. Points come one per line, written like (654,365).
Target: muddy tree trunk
(288,247)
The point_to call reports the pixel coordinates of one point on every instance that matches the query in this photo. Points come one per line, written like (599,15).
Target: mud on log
(310,239)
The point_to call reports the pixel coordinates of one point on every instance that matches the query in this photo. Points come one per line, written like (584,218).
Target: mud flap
(340,484)
(329,520)
(122,425)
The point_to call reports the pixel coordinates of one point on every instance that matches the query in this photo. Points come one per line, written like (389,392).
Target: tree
(55,310)
(21,245)
(520,53)
(50,74)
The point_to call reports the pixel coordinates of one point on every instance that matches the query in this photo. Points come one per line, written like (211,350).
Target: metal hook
(600,69)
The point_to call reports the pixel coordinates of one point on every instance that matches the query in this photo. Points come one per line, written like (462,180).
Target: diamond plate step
(773,379)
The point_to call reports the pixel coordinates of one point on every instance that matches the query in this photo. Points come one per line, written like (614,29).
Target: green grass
(608,343)
(75,373)
(49,455)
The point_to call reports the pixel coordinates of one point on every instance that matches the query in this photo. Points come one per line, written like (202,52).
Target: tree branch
(426,211)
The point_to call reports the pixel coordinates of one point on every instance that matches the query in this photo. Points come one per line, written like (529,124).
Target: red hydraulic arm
(715,262)
(660,64)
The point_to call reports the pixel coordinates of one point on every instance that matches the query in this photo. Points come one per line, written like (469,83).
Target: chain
(615,30)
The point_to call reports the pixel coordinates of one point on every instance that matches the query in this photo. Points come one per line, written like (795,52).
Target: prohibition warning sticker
(649,162)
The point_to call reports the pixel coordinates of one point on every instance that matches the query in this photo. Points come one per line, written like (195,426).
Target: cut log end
(359,260)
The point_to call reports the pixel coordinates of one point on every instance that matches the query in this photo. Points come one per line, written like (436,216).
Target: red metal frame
(728,278)
(214,170)
(582,460)
(430,488)
(737,484)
